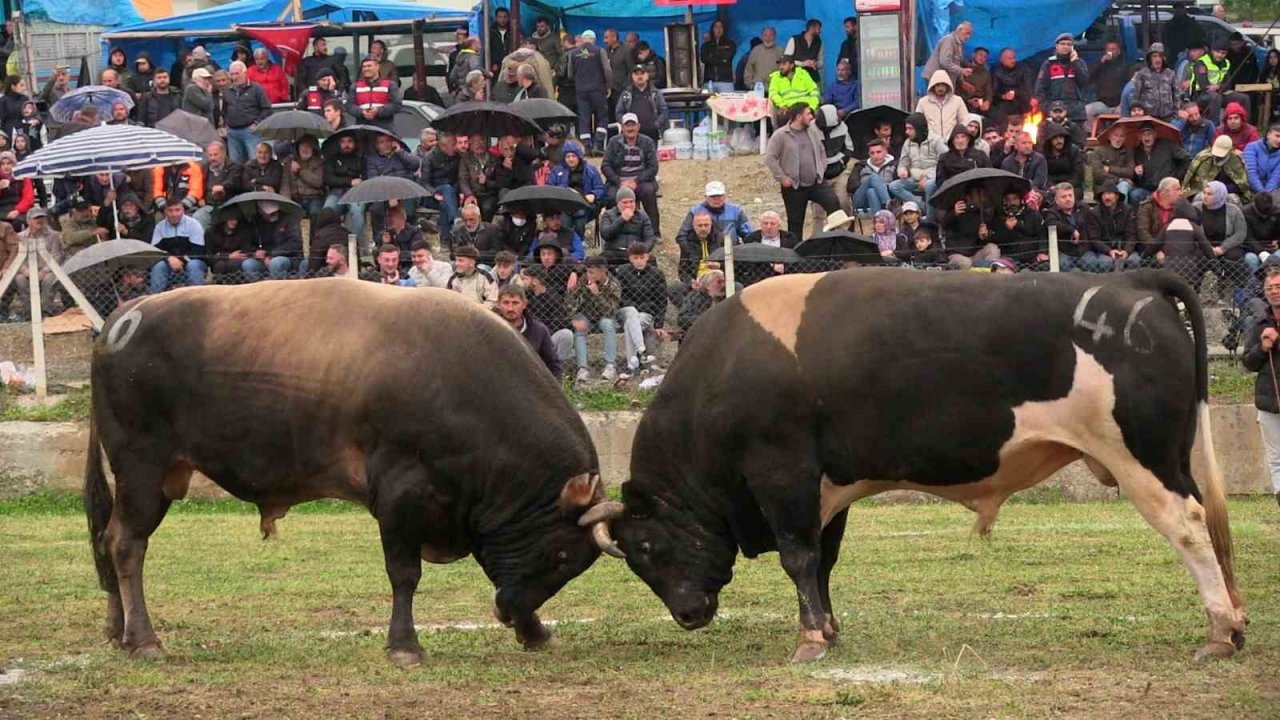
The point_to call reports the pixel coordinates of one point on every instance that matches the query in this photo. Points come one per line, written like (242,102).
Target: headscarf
(1219,195)
(888,240)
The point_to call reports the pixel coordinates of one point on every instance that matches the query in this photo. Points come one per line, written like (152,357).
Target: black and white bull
(286,392)
(808,392)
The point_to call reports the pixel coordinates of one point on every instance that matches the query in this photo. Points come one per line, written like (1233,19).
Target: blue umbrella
(107,148)
(100,96)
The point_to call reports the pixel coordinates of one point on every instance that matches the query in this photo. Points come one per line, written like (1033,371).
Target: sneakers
(609,374)
(583,375)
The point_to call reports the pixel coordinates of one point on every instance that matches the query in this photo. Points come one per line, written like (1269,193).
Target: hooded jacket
(1067,166)
(1224,225)
(139,82)
(1263,223)
(644,289)
(562,176)
(919,155)
(1024,239)
(945,114)
(326,229)
(1157,90)
(1017,79)
(1242,137)
(1108,229)
(953,162)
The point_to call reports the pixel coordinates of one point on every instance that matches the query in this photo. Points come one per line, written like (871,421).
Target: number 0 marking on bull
(122,331)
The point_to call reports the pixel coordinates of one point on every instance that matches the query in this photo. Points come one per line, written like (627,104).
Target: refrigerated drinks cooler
(881,61)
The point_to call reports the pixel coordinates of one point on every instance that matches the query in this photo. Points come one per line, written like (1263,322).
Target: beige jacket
(760,65)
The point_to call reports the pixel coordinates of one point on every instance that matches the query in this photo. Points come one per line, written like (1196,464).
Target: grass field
(1068,611)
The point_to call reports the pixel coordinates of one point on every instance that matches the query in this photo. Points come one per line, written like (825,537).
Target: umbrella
(190,127)
(291,125)
(486,118)
(862,123)
(545,112)
(365,135)
(545,198)
(841,246)
(114,254)
(100,96)
(995,182)
(245,205)
(383,189)
(107,148)
(1136,125)
(757,252)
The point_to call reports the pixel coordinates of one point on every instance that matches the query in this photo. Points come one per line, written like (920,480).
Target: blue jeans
(354,213)
(1096,262)
(608,328)
(448,208)
(906,191)
(312,206)
(242,144)
(1253,262)
(872,194)
(1137,195)
(161,274)
(278,267)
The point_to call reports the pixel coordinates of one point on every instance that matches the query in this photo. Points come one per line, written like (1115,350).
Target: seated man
(476,233)
(1018,229)
(1027,163)
(426,270)
(869,183)
(344,170)
(554,229)
(1262,161)
(969,239)
(506,269)
(440,170)
(132,221)
(1111,231)
(1073,246)
(593,305)
(729,217)
(80,228)
(183,181)
(547,305)
(622,226)
(220,181)
(400,233)
(39,232)
(278,244)
(471,281)
(846,92)
(335,262)
(1222,162)
(1112,161)
(708,291)
(1155,158)
(388,271)
(391,160)
(643,308)
(772,233)
(696,249)
(631,161)
(512,306)
(182,238)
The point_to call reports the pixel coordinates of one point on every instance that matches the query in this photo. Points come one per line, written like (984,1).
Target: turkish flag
(287,42)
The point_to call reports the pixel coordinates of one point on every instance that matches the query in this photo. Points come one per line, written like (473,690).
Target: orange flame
(1031,122)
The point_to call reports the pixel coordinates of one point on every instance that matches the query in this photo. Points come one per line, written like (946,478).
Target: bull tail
(1199,433)
(97,507)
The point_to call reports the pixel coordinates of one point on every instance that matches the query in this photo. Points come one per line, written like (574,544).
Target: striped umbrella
(107,148)
(99,96)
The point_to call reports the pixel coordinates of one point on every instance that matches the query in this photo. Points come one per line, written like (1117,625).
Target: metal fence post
(353,258)
(1053,249)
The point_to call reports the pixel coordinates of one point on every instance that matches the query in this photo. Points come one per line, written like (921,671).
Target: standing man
(270,76)
(546,40)
(1062,76)
(502,39)
(375,100)
(1109,74)
(325,89)
(975,90)
(160,101)
(309,67)
(796,158)
(949,54)
(631,161)
(806,49)
(645,102)
(1260,357)
(247,105)
(593,76)
(762,60)
(1011,86)
(849,48)
(621,60)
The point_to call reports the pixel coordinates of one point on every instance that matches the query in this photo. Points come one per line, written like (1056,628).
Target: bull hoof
(1215,651)
(150,651)
(809,651)
(831,630)
(1237,639)
(539,640)
(405,658)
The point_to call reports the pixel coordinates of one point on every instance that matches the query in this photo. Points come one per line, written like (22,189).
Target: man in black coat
(1260,358)
(161,100)
(642,309)
(512,303)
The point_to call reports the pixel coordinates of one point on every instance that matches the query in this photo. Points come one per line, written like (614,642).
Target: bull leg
(402,551)
(1181,520)
(832,534)
(139,508)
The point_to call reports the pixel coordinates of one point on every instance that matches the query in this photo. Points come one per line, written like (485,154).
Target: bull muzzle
(597,517)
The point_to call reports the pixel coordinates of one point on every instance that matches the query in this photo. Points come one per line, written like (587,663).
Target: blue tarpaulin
(1027,26)
(83,12)
(163,51)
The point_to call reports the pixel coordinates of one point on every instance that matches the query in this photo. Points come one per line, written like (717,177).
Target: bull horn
(601,512)
(604,541)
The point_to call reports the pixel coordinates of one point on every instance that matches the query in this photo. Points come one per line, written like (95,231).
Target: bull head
(587,491)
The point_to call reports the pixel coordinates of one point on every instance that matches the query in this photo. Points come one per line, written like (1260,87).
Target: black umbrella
(383,189)
(193,128)
(757,253)
(291,125)
(245,206)
(545,112)
(545,198)
(862,124)
(486,118)
(112,255)
(841,246)
(366,136)
(995,182)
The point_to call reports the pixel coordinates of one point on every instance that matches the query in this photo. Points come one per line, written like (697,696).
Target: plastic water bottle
(758,90)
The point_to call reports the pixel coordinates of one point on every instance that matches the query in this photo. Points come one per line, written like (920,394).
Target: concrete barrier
(36,456)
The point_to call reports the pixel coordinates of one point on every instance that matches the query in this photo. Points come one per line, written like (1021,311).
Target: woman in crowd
(888,240)
(1226,230)
(11,102)
(16,196)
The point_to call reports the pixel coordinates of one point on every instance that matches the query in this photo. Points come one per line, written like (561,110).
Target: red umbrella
(1135,126)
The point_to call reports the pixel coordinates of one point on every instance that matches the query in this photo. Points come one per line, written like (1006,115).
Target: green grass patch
(72,407)
(607,398)
(1077,611)
(1229,382)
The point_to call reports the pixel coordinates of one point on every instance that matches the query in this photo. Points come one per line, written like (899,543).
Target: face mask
(518,221)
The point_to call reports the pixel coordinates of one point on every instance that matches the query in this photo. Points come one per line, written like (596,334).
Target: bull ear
(581,491)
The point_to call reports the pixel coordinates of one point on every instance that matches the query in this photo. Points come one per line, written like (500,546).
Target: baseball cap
(36,212)
(201,73)
(589,35)
(1221,147)
(715,187)
(1057,105)
(910,206)
(640,68)
(786,58)
(629,118)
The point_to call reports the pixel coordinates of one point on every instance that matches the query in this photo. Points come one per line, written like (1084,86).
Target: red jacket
(1245,135)
(272,80)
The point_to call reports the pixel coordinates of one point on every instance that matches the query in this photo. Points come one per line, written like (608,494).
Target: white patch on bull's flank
(778,305)
(123,330)
(1081,421)
(1133,322)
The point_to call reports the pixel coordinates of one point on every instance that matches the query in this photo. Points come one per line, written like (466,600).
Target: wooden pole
(37,322)
(728,265)
(353,258)
(419,61)
(515,24)
(1053,249)
(12,271)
